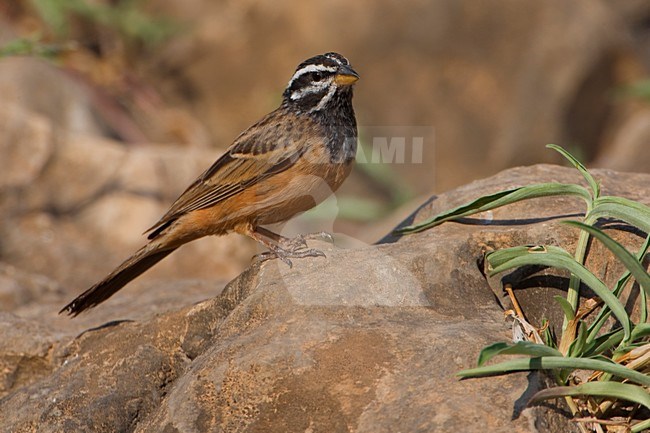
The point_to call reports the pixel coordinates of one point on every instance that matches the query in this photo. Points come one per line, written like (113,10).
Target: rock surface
(365,340)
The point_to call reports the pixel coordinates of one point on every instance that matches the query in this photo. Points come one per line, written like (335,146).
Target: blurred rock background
(110,108)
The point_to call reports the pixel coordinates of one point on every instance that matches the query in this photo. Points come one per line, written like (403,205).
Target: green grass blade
(642,294)
(567,309)
(500,257)
(603,343)
(621,391)
(643,426)
(632,212)
(643,299)
(573,293)
(607,341)
(595,187)
(559,258)
(555,362)
(577,346)
(502,198)
(519,348)
(547,334)
(630,262)
(604,313)
(641,330)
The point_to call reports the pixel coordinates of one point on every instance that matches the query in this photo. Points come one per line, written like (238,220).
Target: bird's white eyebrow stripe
(314,88)
(311,68)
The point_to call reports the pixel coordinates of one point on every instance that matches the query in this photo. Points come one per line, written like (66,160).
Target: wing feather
(256,154)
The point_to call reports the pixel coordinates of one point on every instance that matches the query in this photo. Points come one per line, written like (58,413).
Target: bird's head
(320,82)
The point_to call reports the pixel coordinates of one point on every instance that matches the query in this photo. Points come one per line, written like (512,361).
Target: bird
(285,164)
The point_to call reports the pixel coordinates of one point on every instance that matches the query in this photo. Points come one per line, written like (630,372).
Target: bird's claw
(318,235)
(296,247)
(300,242)
(269,255)
(286,254)
(327,237)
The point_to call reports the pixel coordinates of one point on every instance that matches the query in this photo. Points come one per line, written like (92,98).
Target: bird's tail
(134,266)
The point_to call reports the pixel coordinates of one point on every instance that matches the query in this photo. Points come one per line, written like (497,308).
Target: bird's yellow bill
(345,79)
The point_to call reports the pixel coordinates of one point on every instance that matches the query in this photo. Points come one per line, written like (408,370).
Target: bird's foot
(324,236)
(300,241)
(296,250)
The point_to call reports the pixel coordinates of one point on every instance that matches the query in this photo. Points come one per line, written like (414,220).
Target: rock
(24,145)
(330,358)
(81,168)
(18,288)
(37,86)
(74,206)
(25,353)
(535,222)
(367,339)
(287,358)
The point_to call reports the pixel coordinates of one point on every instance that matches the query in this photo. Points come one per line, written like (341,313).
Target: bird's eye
(317,76)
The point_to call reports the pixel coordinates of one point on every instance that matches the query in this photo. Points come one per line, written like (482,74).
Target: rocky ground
(365,340)
(97,142)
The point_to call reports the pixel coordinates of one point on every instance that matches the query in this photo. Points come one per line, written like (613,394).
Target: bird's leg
(281,247)
(269,242)
(297,242)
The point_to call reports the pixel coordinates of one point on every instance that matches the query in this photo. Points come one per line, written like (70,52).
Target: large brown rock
(365,340)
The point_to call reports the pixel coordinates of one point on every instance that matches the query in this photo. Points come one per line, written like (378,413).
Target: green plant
(124,21)
(32,46)
(127,18)
(639,90)
(619,356)
(107,46)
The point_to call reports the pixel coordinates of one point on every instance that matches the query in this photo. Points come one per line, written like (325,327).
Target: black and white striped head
(320,83)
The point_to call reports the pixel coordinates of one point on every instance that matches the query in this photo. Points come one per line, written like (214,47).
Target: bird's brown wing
(258,153)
